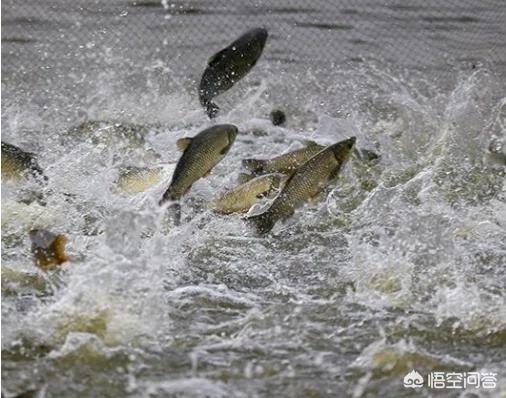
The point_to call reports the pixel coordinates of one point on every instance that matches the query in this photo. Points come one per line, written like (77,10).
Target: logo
(413,380)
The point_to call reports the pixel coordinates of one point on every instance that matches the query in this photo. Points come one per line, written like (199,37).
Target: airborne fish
(200,154)
(306,183)
(230,65)
(286,163)
(138,179)
(48,249)
(241,198)
(17,164)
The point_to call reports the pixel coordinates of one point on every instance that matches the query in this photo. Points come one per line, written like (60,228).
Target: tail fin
(212,109)
(254,165)
(168,196)
(174,213)
(263,222)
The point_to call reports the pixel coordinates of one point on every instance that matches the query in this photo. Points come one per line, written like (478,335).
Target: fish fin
(218,56)
(183,143)
(334,173)
(243,178)
(316,197)
(283,180)
(262,222)
(212,109)
(254,165)
(226,148)
(174,213)
(310,143)
(168,196)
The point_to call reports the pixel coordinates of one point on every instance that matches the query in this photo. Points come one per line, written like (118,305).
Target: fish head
(342,149)
(252,43)
(256,36)
(232,132)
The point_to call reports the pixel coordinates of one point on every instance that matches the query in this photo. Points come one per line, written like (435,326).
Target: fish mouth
(343,149)
(258,34)
(350,142)
(232,134)
(261,34)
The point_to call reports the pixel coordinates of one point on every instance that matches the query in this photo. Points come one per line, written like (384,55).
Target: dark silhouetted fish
(230,65)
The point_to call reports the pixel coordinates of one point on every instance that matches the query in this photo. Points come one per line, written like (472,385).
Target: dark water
(401,267)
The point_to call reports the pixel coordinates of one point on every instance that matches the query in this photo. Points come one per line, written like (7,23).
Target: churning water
(401,267)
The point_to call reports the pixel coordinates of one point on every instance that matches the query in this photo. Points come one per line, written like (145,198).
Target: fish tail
(212,109)
(174,213)
(263,222)
(168,196)
(254,165)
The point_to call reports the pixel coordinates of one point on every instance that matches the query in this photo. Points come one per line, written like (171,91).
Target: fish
(306,183)
(286,163)
(200,154)
(228,66)
(243,178)
(106,131)
(138,179)
(48,249)
(18,164)
(241,198)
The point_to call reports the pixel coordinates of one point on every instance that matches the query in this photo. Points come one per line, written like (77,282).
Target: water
(400,267)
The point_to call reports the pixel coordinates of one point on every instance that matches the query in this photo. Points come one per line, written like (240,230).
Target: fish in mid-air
(48,249)
(200,154)
(230,65)
(286,163)
(304,184)
(138,179)
(241,198)
(18,164)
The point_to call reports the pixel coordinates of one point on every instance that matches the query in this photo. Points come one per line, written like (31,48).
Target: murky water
(401,267)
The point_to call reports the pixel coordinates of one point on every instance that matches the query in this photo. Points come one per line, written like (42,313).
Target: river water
(401,267)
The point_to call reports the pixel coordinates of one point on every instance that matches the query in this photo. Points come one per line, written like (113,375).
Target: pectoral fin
(218,56)
(333,175)
(183,143)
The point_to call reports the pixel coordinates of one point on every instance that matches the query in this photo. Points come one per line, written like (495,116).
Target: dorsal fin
(216,57)
(310,143)
(183,143)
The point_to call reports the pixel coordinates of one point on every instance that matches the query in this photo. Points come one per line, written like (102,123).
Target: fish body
(304,184)
(138,179)
(48,249)
(241,198)
(200,154)
(286,163)
(230,65)
(18,164)
(106,131)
